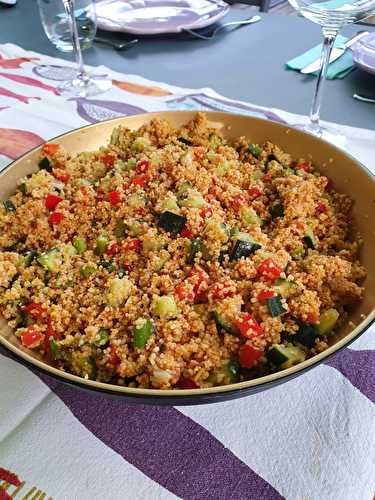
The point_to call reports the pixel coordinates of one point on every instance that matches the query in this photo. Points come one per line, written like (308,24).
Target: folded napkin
(337,69)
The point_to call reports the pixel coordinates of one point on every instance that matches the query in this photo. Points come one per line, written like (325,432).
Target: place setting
(184,261)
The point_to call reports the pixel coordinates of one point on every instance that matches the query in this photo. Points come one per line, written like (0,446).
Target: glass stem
(81,73)
(329,40)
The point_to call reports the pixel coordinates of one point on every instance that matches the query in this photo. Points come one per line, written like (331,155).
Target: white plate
(151,17)
(364,53)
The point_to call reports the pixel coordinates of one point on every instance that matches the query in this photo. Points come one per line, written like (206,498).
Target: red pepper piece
(320,207)
(266,294)
(254,192)
(303,165)
(113,249)
(269,270)
(114,197)
(142,167)
(222,291)
(134,245)
(50,149)
(108,160)
(141,180)
(184,293)
(51,201)
(62,176)
(35,310)
(55,218)
(31,337)
(237,201)
(248,354)
(247,326)
(113,357)
(206,212)
(186,233)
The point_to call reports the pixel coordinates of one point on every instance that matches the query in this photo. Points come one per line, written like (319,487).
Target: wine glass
(71,26)
(332,15)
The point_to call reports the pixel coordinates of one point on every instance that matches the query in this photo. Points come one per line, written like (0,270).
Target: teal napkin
(338,69)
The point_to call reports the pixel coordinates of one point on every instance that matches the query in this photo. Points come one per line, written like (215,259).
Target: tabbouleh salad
(176,259)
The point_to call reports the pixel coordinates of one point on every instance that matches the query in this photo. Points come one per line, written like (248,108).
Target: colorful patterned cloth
(309,439)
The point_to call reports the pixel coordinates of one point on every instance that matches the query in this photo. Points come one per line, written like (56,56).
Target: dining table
(311,438)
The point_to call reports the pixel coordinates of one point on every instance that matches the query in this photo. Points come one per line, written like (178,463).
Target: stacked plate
(151,17)
(364,53)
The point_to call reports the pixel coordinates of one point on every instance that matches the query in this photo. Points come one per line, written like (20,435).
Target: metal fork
(237,24)
(363,98)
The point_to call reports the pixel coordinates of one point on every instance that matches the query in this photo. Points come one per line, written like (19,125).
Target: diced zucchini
(165,307)
(55,349)
(119,291)
(229,373)
(8,205)
(142,334)
(309,239)
(255,150)
(45,164)
(277,211)
(223,324)
(171,222)
(139,144)
(29,257)
(107,265)
(194,200)
(283,286)
(130,164)
(137,227)
(136,201)
(236,234)
(283,356)
(256,175)
(275,306)
(249,216)
(79,244)
(152,243)
(243,249)
(120,229)
(50,260)
(23,188)
(163,258)
(101,244)
(222,168)
(185,141)
(219,230)
(87,271)
(103,338)
(327,321)
(306,335)
(195,247)
(298,253)
(169,204)
(183,189)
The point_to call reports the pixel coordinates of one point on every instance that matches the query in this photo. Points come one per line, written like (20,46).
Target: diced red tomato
(141,211)
(247,326)
(50,149)
(35,310)
(113,357)
(133,245)
(141,180)
(303,165)
(312,318)
(55,218)
(51,201)
(113,249)
(186,383)
(248,354)
(99,194)
(108,160)
(237,201)
(114,197)
(186,233)
(183,292)
(269,270)
(31,337)
(142,167)
(62,176)
(199,280)
(198,153)
(222,291)
(266,294)
(320,207)
(255,192)
(51,332)
(206,212)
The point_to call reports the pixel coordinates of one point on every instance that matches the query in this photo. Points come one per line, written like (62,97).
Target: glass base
(325,133)
(88,87)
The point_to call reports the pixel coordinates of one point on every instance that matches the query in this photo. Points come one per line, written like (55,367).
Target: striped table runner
(309,439)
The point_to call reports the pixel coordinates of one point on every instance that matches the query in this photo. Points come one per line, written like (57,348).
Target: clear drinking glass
(332,15)
(71,26)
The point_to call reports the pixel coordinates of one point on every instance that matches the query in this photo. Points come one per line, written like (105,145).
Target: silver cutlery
(237,24)
(335,54)
(363,98)
(116,45)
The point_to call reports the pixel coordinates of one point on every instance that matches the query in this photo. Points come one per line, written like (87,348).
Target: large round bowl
(348,175)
